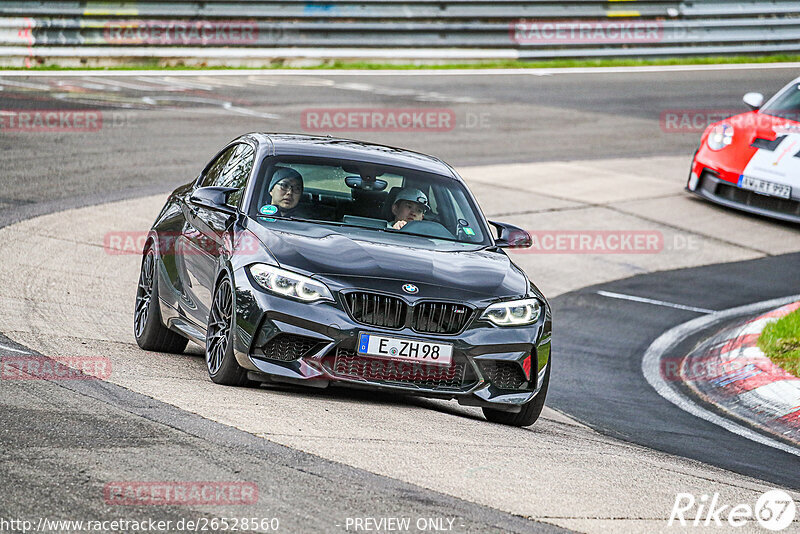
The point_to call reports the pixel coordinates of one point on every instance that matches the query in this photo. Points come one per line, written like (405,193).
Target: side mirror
(753,100)
(511,236)
(213,198)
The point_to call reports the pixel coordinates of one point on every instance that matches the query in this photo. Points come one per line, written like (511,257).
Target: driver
(410,205)
(285,190)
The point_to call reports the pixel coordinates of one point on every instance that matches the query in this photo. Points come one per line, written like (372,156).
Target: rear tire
(220,360)
(148,328)
(529,413)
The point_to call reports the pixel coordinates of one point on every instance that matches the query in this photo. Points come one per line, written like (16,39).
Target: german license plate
(409,350)
(765,188)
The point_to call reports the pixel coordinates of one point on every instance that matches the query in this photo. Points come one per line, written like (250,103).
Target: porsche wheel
(529,413)
(149,330)
(220,360)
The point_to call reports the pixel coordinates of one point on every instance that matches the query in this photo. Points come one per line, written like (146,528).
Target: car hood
(362,261)
(776,163)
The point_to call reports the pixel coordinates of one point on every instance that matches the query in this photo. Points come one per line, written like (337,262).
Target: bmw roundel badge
(410,288)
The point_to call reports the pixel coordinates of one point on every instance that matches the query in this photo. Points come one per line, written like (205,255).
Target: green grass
(781,342)
(502,64)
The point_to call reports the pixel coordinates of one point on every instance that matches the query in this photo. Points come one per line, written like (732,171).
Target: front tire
(529,413)
(220,360)
(148,328)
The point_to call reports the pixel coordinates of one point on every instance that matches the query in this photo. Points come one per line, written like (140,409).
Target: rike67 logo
(774,510)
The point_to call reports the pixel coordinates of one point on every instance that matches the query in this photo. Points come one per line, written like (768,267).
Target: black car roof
(333,147)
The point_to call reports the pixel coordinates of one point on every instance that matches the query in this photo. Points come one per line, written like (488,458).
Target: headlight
(289,284)
(514,312)
(720,136)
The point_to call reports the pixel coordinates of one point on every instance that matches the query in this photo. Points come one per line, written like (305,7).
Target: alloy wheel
(219,327)
(144,293)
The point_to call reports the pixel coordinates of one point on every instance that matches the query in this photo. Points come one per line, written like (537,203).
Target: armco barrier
(527,29)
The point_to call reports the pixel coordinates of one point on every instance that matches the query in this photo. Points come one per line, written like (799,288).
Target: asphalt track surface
(610,374)
(501,119)
(155,147)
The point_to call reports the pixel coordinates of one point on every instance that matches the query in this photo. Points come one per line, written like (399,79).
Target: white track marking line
(168,81)
(428,72)
(225,105)
(633,298)
(250,112)
(26,85)
(218,82)
(14,350)
(128,85)
(652,370)
(86,84)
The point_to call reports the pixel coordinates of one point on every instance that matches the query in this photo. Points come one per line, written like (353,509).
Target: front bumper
(282,340)
(710,183)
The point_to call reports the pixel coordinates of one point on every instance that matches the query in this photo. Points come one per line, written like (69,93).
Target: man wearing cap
(285,189)
(410,205)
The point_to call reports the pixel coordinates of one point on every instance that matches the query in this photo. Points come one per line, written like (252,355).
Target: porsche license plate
(409,350)
(765,188)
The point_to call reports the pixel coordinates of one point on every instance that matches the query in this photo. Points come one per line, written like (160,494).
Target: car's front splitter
(482,394)
(332,333)
(726,193)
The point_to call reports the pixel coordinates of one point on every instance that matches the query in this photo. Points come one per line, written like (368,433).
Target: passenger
(286,189)
(410,205)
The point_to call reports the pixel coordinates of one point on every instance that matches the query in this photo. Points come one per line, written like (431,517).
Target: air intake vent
(504,374)
(376,310)
(750,198)
(766,144)
(347,364)
(440,317)
(286,347)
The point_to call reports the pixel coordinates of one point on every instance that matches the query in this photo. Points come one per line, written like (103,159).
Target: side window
(216,168)
(236,172)
(231,169)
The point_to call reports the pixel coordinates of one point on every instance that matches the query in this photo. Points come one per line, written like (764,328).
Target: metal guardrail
(527,29)
(330,9)
(74,32)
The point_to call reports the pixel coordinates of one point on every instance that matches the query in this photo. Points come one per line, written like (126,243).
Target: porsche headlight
(720,136)
(288,284)
(514,312)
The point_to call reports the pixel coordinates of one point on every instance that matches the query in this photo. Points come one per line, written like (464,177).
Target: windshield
(365,196)
(786,104)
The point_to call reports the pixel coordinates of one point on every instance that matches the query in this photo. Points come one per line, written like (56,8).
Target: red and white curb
(732,373)
(757,398)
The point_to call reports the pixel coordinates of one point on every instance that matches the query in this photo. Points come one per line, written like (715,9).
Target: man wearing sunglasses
(286,189)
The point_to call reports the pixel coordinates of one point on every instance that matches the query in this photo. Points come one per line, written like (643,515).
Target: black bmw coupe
(322,261)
